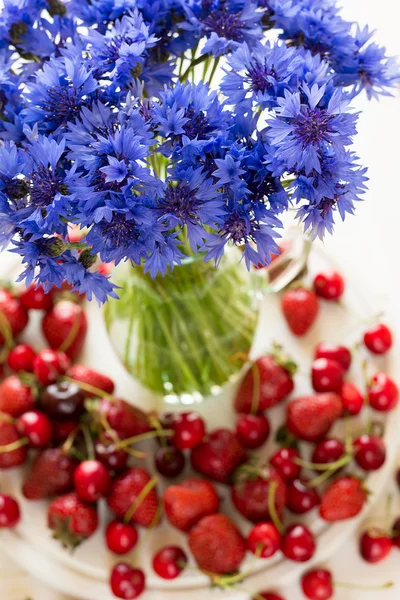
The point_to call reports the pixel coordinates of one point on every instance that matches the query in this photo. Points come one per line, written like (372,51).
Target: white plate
(85,573)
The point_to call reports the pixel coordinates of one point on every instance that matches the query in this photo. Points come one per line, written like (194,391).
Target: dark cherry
(383,393)
(375,545)
(106,452)
(327,375)
(9,512)
(282,460)
(298,543)
(169,461)
(328,451)
(21,358)
(64,400)
(317,584)
(169,562)
(378,339)
(340,354)
(396,533)
(189,430)
(92,480)
(370,452)
(352,400)
(121,538)
(62,429)
(37,427)
(252,431)
(329,285)
(268,596)
(264,540)
(126,582)
(398,477)
(300,498)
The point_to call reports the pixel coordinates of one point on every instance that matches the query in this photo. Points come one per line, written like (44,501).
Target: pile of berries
(82,444)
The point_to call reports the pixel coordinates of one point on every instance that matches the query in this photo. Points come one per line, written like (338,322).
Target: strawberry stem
(140,498)
(271,506)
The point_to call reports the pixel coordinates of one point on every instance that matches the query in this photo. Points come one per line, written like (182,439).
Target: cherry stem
(271,506)
(141,497)
(14,445)
(149,435)
(255,401)
(69,442)
(72,334)
(86,387)
(88,442)
(6,330)
(5,418)
(333,466)
(154,421)
(355,586)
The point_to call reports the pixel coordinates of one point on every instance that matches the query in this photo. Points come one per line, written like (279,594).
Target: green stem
(194,63)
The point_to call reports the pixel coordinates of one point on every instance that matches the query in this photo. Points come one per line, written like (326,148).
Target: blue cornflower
(14,164)
(9,221)
(84,281)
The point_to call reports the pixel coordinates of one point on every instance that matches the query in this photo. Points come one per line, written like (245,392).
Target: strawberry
(72,520)
(311,417)
(91,377)
(9,435)
(65,327)
(250,494)
(35,298)
(125,419)
(13,316)
(51,473)
(188,502)
(218,456)
(217,545)
(265,384)
(343,499)
(300,308)
(16,397)
(127,492)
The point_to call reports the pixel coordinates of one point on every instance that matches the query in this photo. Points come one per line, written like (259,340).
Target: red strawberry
(72,520)
(300,308)
(188,502)
(11,458)
(217,545)
(65,327)
(265,384)
(51,473)
(16,397)
(14,315)
(126,491)
(91,377)
(343,499)
(219,455)
(250,494)
(35,298)
(311,417)
(125,419)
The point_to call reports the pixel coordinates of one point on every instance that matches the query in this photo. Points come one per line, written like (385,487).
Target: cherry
(370,452)
(169,562)
(328,451)
(282,460)
(127,582)
(9,511)
(264,540)
(300,498)
(169,461)
(106,452)
(383,393)
(20,358)
(62,429)
(189,430)
(298,543)
(35,298)
(37,427)
(340,354)
(329,285)
(49,364)
(268,596)
(317,584)
(375,545)
(63,400)
(252,431)
(121,538)
(398,477)
(92,480)
(396,533)
(352,399)
(327,375)
(378,339)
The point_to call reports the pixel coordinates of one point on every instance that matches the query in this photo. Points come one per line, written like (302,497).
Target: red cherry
(37,427)
(328,451)
(9,511)
(121,538)
(352,399)
(49,364)
(317,584)
(21,358)
(370,452)
(264,540)
(375,545)
(327,375)
(169,562)
(340,354)
(106,452)
(383,393)
(62,429)
(169,461)
(35,298)
(300,498)
(127,582)
(329,285)
(298,543)
(396,533)
(92,480)
(268,596)
(378,339)
(189,430)
(252,431)
(282,460)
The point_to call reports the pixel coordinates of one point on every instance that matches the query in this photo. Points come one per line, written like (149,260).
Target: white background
(369,246)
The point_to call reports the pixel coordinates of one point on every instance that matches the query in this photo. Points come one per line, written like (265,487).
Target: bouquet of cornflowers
(110,122)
